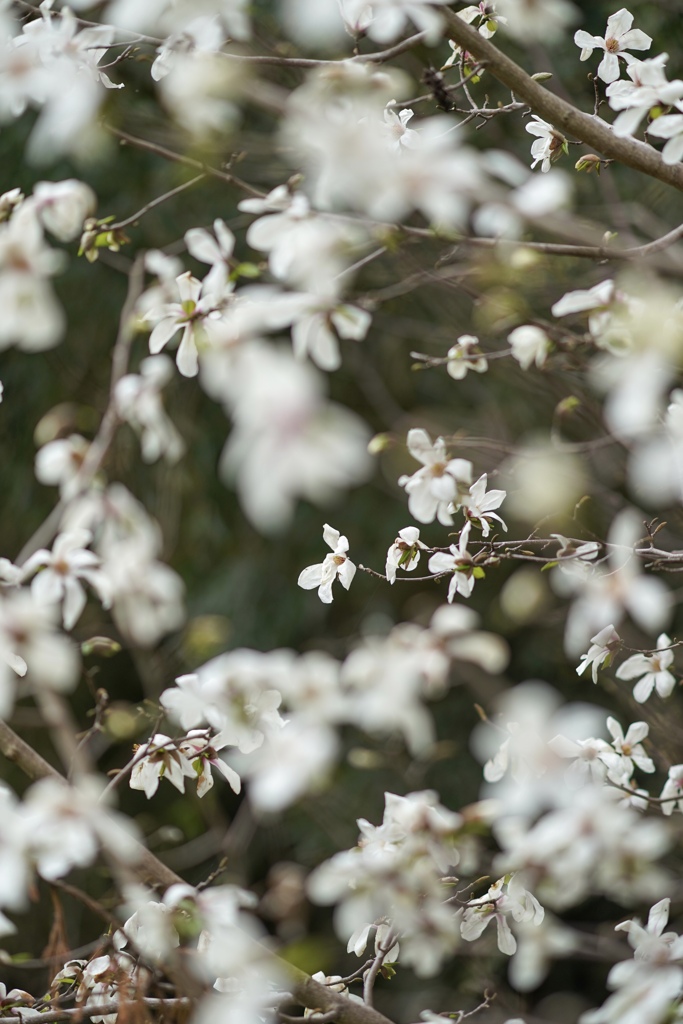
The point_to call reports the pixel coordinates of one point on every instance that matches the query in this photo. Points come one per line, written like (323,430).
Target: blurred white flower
(529,345)
(60,572)
(465,355)
(652,672)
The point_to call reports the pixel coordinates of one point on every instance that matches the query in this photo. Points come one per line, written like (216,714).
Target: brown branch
(155,202)
(562,115)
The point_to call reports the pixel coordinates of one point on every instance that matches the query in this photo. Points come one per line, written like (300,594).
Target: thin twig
(155,202)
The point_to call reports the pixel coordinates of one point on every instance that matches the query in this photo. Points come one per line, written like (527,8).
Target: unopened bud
(541,76)
(588,163)
(102,646)
(380,443)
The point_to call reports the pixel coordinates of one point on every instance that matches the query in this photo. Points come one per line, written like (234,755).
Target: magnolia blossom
(58,463)
(138,401)
(529,345)
(652,672)
(201,750)
(60,572)
(629,748)
(648,88)
(404,553)
(465,355)
(217,251)
(619,38)
(185,315)
(549,143)
(441,480)
(396,129)
(506,896)
(485,13)
(63,206)
(672,794)
(651,942)
(320,322)
(335,566)
(603,645)
(386,20)
(460,563)
(160,758)
(478,506)
(670,127)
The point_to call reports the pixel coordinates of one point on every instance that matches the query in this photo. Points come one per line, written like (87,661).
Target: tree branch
(562,115)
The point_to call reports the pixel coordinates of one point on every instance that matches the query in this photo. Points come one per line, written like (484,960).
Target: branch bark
(562,115)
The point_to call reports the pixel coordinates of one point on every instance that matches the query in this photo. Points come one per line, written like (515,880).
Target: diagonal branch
(562,115)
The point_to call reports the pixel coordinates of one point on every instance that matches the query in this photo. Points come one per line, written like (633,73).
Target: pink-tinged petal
(187,358)
(74,602)
(202,246)
(608,69)
(346,572)
(310,577)
(162,334)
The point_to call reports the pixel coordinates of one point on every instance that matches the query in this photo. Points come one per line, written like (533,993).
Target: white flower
(648,88)
(216,251)
(160,758)
(138,401)
(570,549)
(61,572)
(669,126)
(603,645)
(529,345)
(464,356)
(649,943)
(63,206)
(549,144)
(185,315)
(201,750)
(459,562)
(335,566)
(404,553)
(385,20)
(619,38)
(506,896)
(652,672)
(478,505)
(395,127)
(672,793)
(485,12)
(441,480)
(58,463)
(629,748)
(318,323)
